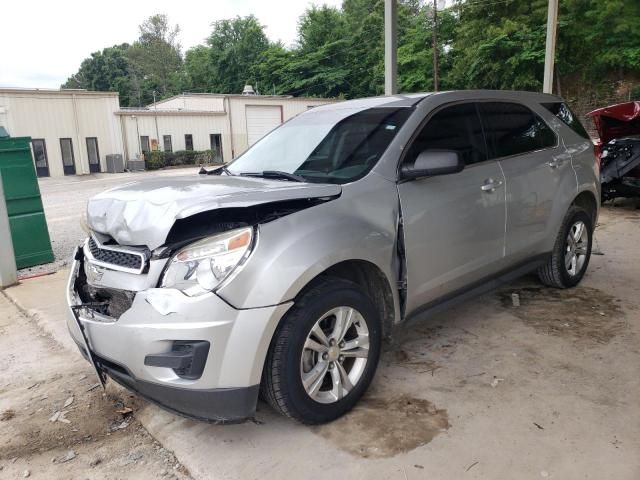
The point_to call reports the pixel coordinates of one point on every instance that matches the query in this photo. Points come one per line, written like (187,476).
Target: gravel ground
(64,202)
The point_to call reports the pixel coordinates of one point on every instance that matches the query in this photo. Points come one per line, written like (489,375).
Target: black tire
(554,273)
(281,384)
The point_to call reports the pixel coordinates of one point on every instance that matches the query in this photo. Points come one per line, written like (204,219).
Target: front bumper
(226,390)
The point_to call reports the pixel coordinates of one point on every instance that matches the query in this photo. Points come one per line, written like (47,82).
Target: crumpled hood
(616,121)
(143,212)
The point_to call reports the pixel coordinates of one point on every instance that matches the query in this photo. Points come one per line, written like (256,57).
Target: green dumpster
(28,224)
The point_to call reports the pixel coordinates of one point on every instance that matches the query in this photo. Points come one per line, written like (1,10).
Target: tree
(235,47)
(499,46)
(155,60)
(106,70)
(340,51)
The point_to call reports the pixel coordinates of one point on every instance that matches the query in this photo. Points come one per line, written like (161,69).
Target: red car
(618,149)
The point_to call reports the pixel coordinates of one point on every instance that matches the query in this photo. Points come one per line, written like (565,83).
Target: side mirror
(433,162)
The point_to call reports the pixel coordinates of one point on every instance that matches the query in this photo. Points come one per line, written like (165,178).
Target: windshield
(327,146)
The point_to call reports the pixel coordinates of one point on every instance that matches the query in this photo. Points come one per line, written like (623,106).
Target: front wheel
(571,252)
(324,353)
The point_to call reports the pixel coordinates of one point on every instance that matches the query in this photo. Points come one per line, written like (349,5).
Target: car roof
(412,99)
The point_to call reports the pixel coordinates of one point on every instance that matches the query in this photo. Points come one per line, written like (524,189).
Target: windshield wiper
(215,171)
(275,174)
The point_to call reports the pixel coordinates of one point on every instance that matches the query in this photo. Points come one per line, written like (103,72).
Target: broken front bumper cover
(218,405)
(226,389)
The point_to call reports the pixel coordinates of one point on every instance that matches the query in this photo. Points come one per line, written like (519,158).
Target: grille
(115,257)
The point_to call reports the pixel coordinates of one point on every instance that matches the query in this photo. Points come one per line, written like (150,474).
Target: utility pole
(550,49)
(155,116)
(434,45)
(390,47)
(8,272)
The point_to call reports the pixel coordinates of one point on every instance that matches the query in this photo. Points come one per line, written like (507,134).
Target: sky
(43,42)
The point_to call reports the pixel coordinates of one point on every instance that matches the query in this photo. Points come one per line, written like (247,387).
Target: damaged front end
(143,293)
(619,149)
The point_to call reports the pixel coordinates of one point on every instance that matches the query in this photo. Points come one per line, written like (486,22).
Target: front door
(93,155)
(40,157)
(454,225)
(68,161)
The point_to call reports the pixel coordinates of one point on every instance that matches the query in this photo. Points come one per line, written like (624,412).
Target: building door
(68,160)
(144,144)
(261,119)
(40,157)
(93,155)
(215,139)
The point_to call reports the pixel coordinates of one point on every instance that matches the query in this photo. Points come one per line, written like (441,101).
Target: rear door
(261,119)
(453,224)
(533,162)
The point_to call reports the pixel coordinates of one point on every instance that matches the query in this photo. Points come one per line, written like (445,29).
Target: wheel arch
(588,201)
(371,279)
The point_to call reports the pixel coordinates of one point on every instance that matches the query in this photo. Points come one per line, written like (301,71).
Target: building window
(68,160)
(40,157)
(166,140)
(144,144)
(93,154)
(188,141)
(215,140)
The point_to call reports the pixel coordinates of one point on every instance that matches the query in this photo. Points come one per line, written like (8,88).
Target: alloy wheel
(576,248)
(335,355)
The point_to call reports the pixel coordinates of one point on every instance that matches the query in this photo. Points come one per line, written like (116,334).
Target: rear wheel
(571,252)
(324,353)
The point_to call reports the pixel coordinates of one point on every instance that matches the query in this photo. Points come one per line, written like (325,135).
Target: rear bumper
(226,388)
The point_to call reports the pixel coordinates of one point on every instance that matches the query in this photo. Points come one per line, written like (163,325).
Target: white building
(74,130)
(227,124)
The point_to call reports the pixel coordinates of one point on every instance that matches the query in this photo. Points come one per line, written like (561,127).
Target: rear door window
(564,113)
(513,129)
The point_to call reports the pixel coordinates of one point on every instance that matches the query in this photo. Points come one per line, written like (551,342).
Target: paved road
(65,200)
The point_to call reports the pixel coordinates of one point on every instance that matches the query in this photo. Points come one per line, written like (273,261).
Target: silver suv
(281,274)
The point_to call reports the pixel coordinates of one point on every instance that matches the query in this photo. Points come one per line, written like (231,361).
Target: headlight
(201,266)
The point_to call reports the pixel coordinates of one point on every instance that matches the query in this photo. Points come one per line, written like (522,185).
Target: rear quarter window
(564,113)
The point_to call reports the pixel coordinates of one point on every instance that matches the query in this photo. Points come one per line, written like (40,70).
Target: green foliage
(107,70)
(339,52)
(151,63)
(155,60)
(233,49)
(157,160)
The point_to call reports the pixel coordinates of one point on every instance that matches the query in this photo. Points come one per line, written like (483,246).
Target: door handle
(490,185)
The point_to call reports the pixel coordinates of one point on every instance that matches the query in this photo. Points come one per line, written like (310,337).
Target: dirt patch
(55,424)
(413,361)
(581,314)
(380,427)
